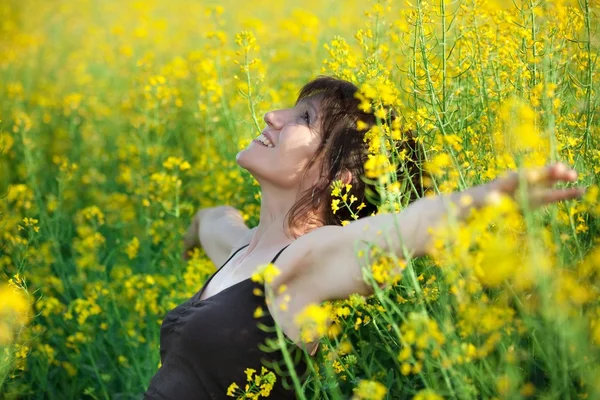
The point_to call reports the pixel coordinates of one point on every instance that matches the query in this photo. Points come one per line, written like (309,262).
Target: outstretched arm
(330,269)
(218,230)
(410,230)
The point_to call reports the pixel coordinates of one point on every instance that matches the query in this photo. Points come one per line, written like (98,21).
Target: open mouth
(260,143)
(263,140)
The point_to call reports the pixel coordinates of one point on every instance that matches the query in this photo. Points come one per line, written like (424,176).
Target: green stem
(588,86)
(432,92)
(249,94)
(281,342)
(97,373)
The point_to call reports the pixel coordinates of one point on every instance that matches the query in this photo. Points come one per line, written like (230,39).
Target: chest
(231,299)
(236,271)
(221,331)
(213,341)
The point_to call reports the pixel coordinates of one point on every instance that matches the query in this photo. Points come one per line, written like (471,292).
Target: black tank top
(205,345)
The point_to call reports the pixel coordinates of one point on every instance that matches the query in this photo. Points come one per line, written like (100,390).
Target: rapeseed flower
(313,321)
(137,129)
(369,390)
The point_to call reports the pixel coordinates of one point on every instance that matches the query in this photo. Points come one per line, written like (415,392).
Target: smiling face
(316,143)
(280,154)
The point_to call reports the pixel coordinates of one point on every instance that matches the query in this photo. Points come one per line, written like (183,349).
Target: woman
(208,342)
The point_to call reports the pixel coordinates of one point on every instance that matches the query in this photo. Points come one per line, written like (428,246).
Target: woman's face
(294,139)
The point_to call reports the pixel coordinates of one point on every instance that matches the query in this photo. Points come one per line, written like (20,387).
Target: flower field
(120,119)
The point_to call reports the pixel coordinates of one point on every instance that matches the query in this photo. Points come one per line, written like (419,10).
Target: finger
(190,239)
(556,195)
(544,176)
(550,175)
(187,251)
(561,172)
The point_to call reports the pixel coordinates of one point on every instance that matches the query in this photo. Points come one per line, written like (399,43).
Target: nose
(273,120)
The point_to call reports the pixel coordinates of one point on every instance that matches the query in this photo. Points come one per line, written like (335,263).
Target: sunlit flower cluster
(257,386)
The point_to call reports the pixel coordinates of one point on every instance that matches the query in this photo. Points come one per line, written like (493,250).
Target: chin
(251,162)
(244,159)
(258,166)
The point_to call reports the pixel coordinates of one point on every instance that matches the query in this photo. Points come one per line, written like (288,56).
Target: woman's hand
(538,184)
(191,239)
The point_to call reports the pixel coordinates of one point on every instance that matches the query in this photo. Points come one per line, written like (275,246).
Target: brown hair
(343,147)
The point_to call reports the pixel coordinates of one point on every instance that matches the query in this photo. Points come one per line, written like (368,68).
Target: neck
(273,229)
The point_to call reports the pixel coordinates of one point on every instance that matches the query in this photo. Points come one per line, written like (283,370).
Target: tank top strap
(277,255)
(234,253)
(201,291)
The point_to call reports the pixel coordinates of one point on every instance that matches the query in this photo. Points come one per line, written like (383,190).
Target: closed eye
(306,117)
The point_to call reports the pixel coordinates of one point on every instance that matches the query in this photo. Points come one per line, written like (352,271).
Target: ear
(345,176)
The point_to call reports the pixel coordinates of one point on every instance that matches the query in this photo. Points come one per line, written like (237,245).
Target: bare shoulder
(318,266)
(325,265)
(322,265)
(222,230)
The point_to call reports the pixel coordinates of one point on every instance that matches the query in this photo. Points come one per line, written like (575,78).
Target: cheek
(282,165)
(298,148)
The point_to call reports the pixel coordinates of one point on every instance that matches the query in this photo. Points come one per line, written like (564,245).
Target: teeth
(264,140)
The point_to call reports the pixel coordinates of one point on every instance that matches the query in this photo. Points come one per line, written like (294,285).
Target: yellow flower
(257,386)
(249,372)
(259,312)
(14,311)
(361,125)
(503,384)
(246,40)
(337,191)
(335,205)
(405,353)
(498,262)
(386,270)
(405,368)
(32,222)
(266,274)
(313,321)
(232,389)
(71,370)
(377,165)
(519,127)
(132,248)
(527,390)
(173,162)
(369,390)
(439,164)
